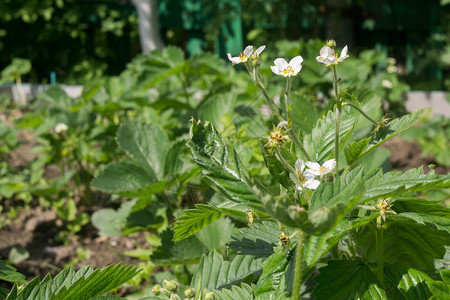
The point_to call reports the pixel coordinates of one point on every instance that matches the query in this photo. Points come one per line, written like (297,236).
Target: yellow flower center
(243,57)
(301,177)
(322,168)
(288,70)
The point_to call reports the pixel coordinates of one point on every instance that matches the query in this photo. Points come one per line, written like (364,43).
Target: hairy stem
(298,265)
(380,251)
(260,85)
(361,112)
(292,132)
(338,119)
(287,96)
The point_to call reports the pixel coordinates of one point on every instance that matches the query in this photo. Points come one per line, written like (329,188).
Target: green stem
(292,132)
(287,96)
(185,86)
(338,119)
(361,111)
(380,251)
(298,265)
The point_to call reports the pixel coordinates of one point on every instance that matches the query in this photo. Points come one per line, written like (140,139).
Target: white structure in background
(148,25)
(436,100)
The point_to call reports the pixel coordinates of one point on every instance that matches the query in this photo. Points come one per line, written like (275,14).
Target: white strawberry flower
(329,58)
(283,68)
(316,169)
(302,178)
(245,55)
(61,127)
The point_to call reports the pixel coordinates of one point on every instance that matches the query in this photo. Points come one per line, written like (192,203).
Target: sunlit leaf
(357,150)
(220,164)
(214,272)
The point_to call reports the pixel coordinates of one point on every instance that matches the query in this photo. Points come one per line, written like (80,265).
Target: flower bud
(156,289)
(331,43)
(255,60)
(189,293)
(209,296)
(174,297)
(171,285)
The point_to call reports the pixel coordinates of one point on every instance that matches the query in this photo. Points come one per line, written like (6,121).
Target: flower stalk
(338,119)
(291,130)
(361,112)
(287,96)
(298,265)
(380,250)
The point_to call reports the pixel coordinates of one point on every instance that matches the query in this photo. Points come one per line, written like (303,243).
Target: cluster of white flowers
(305,173)
(327,57)
(244,56)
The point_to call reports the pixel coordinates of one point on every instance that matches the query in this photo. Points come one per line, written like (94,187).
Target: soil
(35,229)
(406,155)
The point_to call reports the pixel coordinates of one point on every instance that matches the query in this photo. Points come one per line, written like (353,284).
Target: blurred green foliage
(76,39)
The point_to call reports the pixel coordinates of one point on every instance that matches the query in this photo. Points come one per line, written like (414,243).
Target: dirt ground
(35,229)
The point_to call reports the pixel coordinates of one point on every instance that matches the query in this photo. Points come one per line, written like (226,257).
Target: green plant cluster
(224,201)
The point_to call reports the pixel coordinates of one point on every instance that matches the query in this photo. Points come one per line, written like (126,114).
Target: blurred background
(77,40)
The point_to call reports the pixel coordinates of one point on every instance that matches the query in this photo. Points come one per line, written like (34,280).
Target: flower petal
(260,49)
(234,60)
(344,54)
(296,69)
(276,70)
(312,165)
(299,165)
(281,63)
(325,51)
(296,61)
(248,50)
(312,184)
(330,164)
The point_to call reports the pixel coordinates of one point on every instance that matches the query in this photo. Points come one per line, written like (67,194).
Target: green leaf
(303,106)
(357,150)
(122,176)
(109,221)
(217,234)
(148,144)
(274,269)
(85,284)
(17,255)
(220,164)
(185,251)
(194,220)
(215,273)
(331,202)
(440,289)
(423,211)
(409,282)
(320,144)
(258,240)
(243,292)
(17,67)
(342,279)
(276,168)
(395,183)
(214,108)
(9,273)
(406,243)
